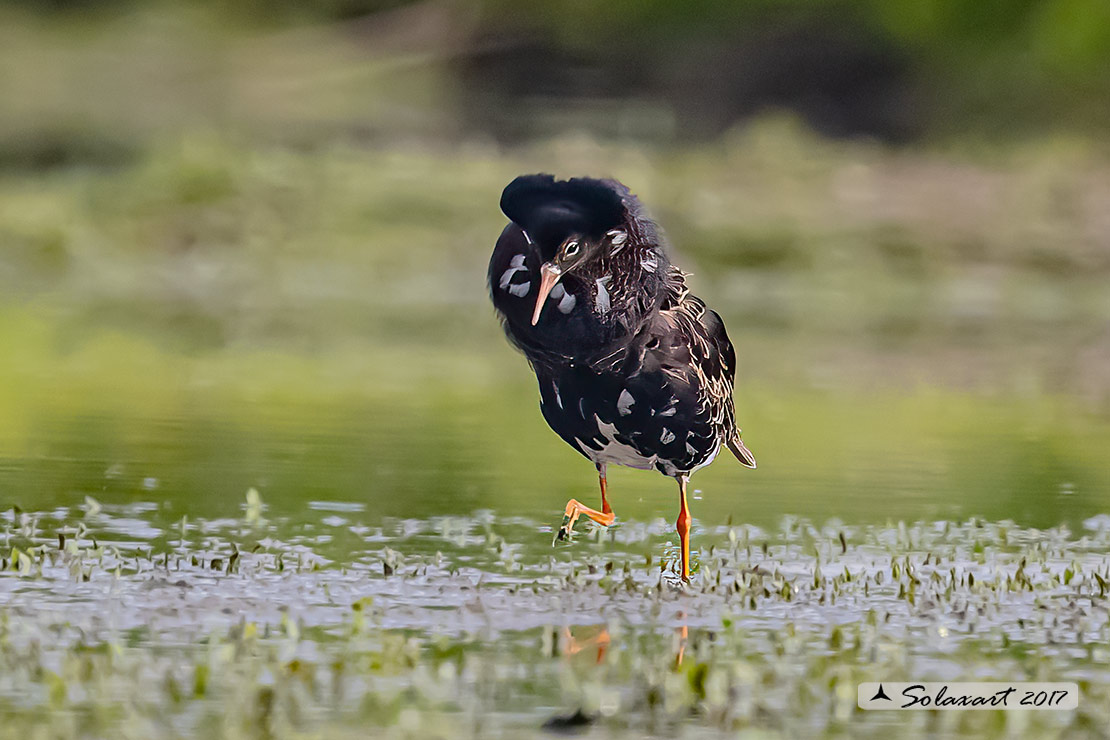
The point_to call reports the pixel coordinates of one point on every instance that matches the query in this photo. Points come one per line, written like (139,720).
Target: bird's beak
(549,276)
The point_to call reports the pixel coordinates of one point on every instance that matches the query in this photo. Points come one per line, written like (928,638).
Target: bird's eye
(571,249)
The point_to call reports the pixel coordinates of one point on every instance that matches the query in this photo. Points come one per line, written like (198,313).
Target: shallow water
(862,457)
(927,398)
(339,622)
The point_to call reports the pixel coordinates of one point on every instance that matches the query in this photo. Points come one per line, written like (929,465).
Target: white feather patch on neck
(566,305)
(603,293)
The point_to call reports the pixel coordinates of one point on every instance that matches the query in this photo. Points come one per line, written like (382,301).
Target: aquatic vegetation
(123,622)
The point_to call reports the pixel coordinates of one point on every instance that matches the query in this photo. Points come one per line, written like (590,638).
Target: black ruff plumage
(632,369)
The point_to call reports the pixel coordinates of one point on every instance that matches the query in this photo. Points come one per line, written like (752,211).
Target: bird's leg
(604,490)
(576,509)
(683,526)
(605,517)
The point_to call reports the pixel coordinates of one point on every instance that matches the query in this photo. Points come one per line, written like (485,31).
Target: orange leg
(683,527)
(605,517)
(604,489)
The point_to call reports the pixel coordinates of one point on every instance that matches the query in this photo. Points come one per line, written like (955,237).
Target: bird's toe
(563,533)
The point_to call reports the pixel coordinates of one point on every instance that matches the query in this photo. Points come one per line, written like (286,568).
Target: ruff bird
(633,370)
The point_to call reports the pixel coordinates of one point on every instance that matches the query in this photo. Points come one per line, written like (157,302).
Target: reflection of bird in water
(682,636)
(632,369)
(572,645)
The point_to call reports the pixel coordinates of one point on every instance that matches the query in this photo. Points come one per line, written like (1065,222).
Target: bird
(632,368)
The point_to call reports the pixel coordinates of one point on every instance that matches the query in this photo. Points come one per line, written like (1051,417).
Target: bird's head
(569,223)
(576,251)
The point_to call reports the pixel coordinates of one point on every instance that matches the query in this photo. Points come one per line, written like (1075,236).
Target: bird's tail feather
(743,454)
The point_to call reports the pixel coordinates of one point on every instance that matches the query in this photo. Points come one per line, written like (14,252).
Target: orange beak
(549,276)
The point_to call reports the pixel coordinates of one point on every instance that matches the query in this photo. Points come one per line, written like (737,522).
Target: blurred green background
(246,247)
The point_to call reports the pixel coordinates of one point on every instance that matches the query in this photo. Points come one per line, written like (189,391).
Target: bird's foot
(570,516)
(564,531)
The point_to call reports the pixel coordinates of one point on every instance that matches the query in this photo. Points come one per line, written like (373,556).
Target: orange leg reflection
(683,634)
(601,639)
(573,646)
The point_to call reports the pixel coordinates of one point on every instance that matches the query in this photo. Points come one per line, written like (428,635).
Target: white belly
(615,452)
